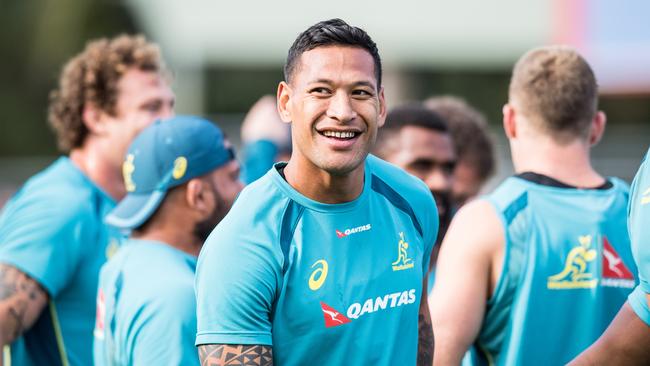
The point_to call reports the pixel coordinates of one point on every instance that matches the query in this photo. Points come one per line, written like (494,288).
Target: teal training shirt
(53,231)
(324,284)
(146,307)
(567,271)
(638,225)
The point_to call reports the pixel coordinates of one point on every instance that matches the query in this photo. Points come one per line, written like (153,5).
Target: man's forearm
(425,342)
(235,355)
(21,301)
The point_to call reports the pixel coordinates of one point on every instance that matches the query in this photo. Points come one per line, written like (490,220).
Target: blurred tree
(38,37)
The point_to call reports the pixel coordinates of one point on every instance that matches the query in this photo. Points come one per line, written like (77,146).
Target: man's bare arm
(21,301)
(425,330)
(625,342)
(464,274)
(235,355)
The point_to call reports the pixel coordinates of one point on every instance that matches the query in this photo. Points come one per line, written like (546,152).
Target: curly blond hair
(92,77)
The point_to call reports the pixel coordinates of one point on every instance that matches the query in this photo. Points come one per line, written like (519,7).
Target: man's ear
(382,108)
(597,129)
(509,121)
(284,98)
(92,119)
(198,196)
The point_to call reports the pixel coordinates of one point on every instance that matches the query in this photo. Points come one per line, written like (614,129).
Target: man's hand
(235,355)
(21,301)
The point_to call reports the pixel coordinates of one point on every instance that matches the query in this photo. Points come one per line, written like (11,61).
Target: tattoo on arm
(425,337)
(21,301)
(235,355)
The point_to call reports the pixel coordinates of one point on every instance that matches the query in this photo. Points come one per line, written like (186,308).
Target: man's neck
(568,163)
(183,241)
(99,171)
(325,187)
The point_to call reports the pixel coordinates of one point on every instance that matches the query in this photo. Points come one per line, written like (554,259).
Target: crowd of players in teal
(141,246)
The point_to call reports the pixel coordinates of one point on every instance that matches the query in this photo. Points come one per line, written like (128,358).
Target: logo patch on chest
(353,230)
(403,261)
(333,318)
(319,275)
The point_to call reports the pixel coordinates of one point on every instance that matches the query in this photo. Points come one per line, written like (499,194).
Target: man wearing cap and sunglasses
(181,178)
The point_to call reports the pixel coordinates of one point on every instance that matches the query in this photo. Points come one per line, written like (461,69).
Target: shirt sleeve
(638,219)
(166,337)
(43,238)
(236,283)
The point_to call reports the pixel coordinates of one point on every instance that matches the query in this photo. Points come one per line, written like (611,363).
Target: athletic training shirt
(567,270)
(638,224)
(53,231)
(324,284)
(146,310)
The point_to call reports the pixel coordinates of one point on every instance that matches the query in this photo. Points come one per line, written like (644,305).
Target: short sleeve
(639,221)
(638,302)
(236,284)
(166,337)
(44,238)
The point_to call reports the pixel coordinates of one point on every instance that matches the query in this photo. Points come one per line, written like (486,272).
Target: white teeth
(339,135)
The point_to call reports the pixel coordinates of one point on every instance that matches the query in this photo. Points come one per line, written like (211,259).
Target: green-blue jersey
(567,270)
(638,225)
(146,309)
(53,231)
(324,284)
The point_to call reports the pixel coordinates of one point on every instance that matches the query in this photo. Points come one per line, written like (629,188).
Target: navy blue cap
(164,155)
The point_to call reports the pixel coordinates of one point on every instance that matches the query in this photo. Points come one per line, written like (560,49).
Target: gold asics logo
(575,275)
(319,275)
(645,197)
(127,172)
(112,247)
(180,167)
(403,261)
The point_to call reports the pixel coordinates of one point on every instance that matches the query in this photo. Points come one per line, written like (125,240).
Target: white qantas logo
(333,315)
(354,230)
(371,305)
(613,261)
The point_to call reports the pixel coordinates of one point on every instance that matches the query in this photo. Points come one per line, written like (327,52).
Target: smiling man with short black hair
(328,251)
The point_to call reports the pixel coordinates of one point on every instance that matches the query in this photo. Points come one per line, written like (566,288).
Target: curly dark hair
(333,32)
(411,114)
(469,132)
(92,77)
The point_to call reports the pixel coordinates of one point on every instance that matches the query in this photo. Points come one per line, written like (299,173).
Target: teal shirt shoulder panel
(245,267)
(286,271)
(547,231)
(417,195)
(52,229)
(148,305)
